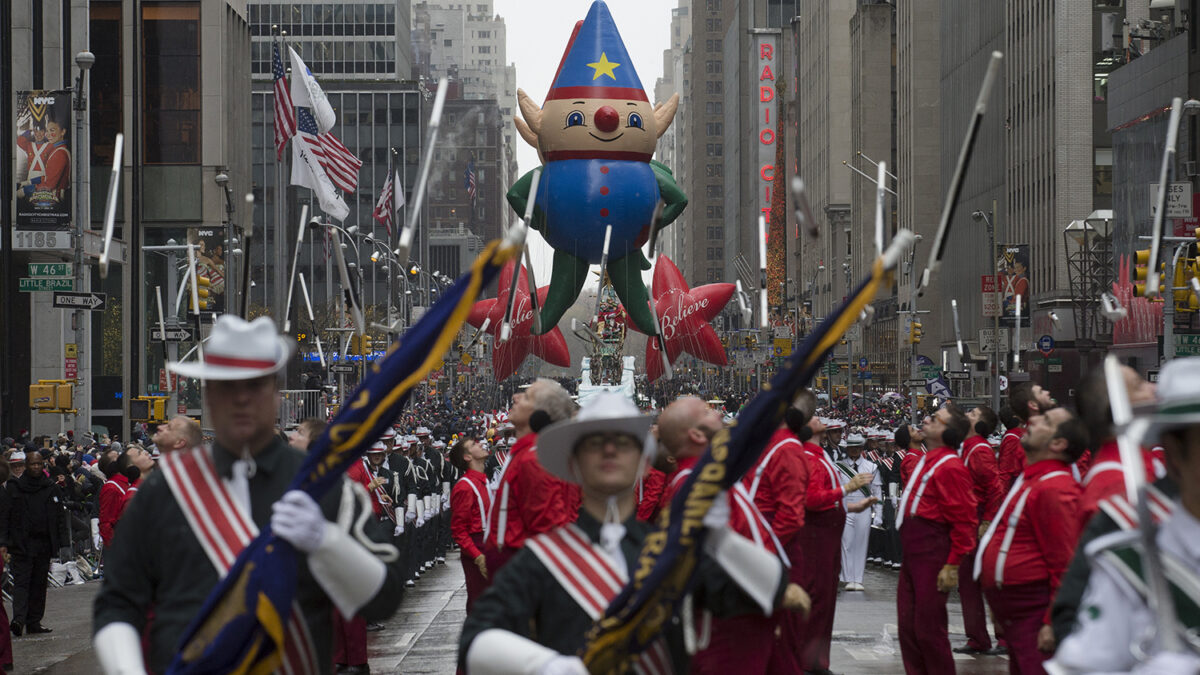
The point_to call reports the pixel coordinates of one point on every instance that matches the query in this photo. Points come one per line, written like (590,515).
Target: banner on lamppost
(1012,263)
(991,299)
(43,160)
(210,263)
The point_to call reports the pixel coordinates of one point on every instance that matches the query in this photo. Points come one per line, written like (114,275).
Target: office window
(714,128)
(712,67)
(715,211)
(714,170)
(712,191)
(712,87)
(105,109)
(714,149)
(171,82)
(713,5)
(448,43)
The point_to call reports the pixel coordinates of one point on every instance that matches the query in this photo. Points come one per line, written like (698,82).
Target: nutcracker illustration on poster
(43,160)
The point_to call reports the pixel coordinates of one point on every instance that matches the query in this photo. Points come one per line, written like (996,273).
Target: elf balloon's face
(598,124)
(594,124)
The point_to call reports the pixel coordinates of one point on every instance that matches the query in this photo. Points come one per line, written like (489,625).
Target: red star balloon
(550,347)
(684,315)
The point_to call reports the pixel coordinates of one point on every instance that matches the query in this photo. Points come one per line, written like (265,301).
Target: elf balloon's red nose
(607,119)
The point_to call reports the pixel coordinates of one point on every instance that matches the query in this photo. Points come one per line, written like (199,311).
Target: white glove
(119,650)
(399,529)
(718,514)
(298,520)
(420,521)
(410,516)
(445,503)
(1169,663)
(563,665)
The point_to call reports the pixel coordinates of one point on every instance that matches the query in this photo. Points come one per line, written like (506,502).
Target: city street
(423,636)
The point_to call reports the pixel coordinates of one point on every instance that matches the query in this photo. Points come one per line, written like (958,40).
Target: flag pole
(287,312)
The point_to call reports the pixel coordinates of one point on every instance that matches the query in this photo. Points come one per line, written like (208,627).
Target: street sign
(50,269)
(987,340)
(991,299)
(1179,200)
(70,368)
(173,335)
(89,301)
(862,363)
(914,383)
(864,375)
(347,368)
(1045,345)
(28,285)
(30,240)
(1187,345)
(958,375)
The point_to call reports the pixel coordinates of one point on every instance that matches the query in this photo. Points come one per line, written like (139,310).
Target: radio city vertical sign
(764,70)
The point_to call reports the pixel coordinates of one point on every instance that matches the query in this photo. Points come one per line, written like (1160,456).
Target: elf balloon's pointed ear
(664,114)
(531,126)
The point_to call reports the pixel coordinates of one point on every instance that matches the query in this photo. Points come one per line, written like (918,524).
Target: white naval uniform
(1114,623)
(857,534)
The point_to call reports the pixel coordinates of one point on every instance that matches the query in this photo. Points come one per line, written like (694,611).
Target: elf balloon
(595,135)
(508,355)
(684,314)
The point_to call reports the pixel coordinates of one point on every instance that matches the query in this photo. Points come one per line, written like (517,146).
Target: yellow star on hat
(603,67)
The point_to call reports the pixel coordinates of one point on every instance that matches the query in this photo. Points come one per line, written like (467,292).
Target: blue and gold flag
(241,627)
(670,556)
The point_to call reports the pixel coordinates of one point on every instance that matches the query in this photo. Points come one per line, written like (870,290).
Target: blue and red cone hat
(596,64)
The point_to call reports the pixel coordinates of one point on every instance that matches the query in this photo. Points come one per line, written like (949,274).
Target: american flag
(285,113)
(469,180)
(339,163)
(383,208)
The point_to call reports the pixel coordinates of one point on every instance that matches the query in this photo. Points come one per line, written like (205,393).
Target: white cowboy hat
(854,439)
(238,350)
(378,446)
(606,412)
(1176,401)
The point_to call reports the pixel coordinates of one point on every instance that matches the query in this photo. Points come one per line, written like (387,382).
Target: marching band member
(469,502)
(1026,400)
(528,500)
(562,580)
(858,523)
(937,523)
(821,542)
(1029,543)
(980,461)
(165,557)
(1117,629)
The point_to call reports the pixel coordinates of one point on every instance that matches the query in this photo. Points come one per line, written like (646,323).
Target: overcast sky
(537,35)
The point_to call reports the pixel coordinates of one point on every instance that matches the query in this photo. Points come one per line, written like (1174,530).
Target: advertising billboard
(43,160)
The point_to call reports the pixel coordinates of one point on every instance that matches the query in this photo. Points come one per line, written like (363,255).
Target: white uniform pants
(854,546)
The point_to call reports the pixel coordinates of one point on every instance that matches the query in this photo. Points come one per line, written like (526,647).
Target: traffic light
(148,408)
(915,333)
(355,345)
(52,396)
(367,346)
(1185,299)
(202,285)
(1141,270)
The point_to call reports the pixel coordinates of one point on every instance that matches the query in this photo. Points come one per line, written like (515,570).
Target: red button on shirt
(1044,539)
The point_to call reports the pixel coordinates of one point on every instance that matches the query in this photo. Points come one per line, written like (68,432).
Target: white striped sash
(224,530)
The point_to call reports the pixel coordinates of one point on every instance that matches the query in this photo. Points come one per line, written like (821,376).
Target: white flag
(399,187)
(308,172)
(307,93)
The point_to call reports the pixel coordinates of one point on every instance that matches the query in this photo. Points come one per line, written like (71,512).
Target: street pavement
(423,636)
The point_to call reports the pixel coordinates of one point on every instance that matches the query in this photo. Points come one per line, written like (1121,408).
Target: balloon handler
(595,135)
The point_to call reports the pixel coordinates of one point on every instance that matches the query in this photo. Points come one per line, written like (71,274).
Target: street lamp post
(996,360)
(82,394)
